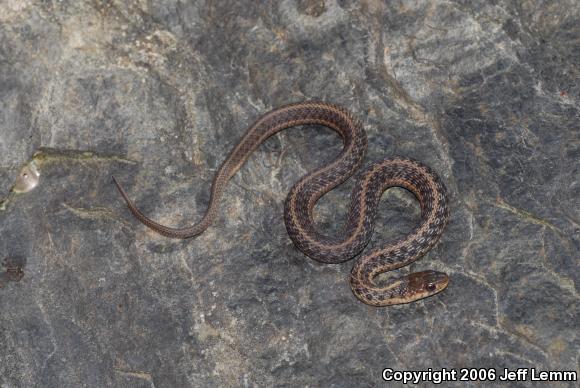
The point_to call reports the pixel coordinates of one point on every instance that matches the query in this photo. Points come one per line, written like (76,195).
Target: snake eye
(431,287)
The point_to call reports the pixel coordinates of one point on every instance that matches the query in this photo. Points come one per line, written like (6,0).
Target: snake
(358,227)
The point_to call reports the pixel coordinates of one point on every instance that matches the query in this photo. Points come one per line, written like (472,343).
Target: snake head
(427,283)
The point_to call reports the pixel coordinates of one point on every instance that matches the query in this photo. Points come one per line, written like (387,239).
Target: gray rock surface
(157,92)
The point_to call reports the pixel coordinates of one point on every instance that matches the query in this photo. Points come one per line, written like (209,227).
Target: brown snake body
(298,215)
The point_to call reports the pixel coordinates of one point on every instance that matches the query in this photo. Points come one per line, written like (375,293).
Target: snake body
(298,215)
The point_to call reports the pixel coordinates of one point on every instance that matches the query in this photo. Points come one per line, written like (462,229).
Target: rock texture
(157,92)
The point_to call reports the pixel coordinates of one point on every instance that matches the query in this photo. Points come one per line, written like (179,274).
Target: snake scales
(298,214)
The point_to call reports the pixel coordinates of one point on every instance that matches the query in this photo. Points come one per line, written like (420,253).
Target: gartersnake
(298,215)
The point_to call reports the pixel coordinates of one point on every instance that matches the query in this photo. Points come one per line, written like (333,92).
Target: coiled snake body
(298,215)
